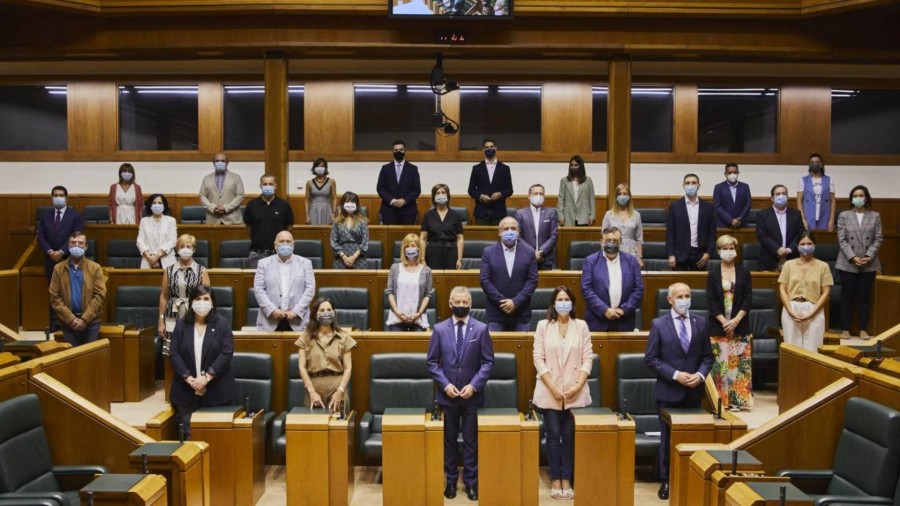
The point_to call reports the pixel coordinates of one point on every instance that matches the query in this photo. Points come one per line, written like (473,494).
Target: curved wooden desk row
(804,436)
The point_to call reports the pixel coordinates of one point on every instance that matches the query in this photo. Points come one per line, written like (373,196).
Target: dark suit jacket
(218,347)
(595,289)
(498,285)
(678,230)
(407,189)
(480,184)
(728,209)
(769,235)
(665,356)
(473,367)
(549,230)
(56,238)
(743,297)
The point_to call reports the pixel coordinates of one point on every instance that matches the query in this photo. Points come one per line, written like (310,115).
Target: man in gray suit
(221,193)
(284,286)
(540,228)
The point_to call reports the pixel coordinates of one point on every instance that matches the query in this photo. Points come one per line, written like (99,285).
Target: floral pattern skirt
(731,371)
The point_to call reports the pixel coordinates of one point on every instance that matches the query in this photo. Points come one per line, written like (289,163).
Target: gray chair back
(351,305)
(96,215)
(225,302)
(472,251)
(398,380)
(233,254)
(652,217)
(593,382)
(123,253)
(635,382)
(867,459)
(138,305)
(24,451)
(195,215)
(462,213)
(579,250)
(479,304)
(655,258)
(296,388)
(252,308)
(253,375)
(502,388)
(311,250)
(540,301)
(699,302)
(750,255)
(201,254)
(375,255)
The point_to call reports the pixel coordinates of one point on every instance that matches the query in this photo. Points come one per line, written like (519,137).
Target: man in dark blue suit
(460,359)
(690,229)
(509,276)
(399,187)
(540,228)
(54,228)
(679,351)
(490,185)
(731,200)
(778,230)
(612,286)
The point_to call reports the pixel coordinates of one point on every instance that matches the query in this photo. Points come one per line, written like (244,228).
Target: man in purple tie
(680,352)
(460,359)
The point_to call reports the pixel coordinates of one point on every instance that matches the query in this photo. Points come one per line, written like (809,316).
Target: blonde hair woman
(628,221)
(409,289)
(178,280)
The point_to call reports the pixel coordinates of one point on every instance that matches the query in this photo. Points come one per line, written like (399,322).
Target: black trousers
(490,219)
(440,257)
(691,263)
(856,292)
(663,457)
(398,219)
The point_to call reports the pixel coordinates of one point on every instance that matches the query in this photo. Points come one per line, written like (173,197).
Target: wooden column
(618,121)
(276,75)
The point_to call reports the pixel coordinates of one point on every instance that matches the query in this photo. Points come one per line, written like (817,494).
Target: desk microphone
(341,410)
(145,468)
(181,432)
(782,495)
(247,408)
(877,350)
(436,411)
(624,414)
(734,462)
(529,415)
(719,409)
(90,498)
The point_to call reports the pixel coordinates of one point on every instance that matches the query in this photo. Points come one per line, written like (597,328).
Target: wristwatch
(341,389)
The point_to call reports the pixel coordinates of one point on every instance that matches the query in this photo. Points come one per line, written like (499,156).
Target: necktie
(459,338)
(399,170)
(58,218)
(683,335)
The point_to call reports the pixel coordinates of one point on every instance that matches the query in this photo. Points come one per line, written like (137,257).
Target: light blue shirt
(509,254)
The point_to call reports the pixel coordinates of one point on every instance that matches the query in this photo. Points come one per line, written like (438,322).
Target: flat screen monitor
(454,9)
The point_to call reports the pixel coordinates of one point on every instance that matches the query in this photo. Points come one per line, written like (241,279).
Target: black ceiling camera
(441,85)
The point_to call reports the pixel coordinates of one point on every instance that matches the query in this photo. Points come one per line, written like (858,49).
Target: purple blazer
(546,237)
(595,289)
(665,356)
(473,367)
(727,208)
(498,284)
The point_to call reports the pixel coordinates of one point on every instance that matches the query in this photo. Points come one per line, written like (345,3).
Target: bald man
(509,276)
(679,351)
(284,286)
(222,193)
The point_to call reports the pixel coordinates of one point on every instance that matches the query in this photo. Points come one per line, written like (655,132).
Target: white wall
(360,177)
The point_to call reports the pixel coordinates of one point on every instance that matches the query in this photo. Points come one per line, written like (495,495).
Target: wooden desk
(704,463)
(604,458)
(407,465)
(764,494)
(434,461)
(237,453)
(690,425)
(27,350)
(185,466)
(7,359)
(504,438)
(126,489)
(313,435)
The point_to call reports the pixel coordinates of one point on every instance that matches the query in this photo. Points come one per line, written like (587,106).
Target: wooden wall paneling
(685,120)
(328,117)
(618,145)
(211,119)
(13,381)
(880,387)
(239,281)
(92,117)
(9,310)
(804,122)
(884,303)
(83,369)
(276,119)
(445,144)
(35,314)
(566,117)
(609,346)
(15,212)
(802,373)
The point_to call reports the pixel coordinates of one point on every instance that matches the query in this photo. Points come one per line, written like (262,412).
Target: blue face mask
(285,250)
(157,208)
(858,202)
(563,307)
(691,190)
(807,250)
(126,176)
(781,200)
(76,251)
(490,152)
(220,166)
(682,306)
(509,236)
(623,200)
(268,191)
(59,202)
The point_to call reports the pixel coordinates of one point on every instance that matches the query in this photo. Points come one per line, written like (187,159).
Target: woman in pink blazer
(562,357)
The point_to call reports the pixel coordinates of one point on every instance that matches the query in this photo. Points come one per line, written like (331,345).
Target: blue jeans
(559,427)
(509,326)
(79,337)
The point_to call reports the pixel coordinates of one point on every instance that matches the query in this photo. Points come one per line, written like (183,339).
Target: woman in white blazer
(575,206)
(563,359)
(157,234)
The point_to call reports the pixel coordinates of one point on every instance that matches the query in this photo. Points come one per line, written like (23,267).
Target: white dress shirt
(198,351)
(536,218)
(693,211)
(733,188)
(781,216)
(491,167)
(509,254)
(284,269)
(614,267)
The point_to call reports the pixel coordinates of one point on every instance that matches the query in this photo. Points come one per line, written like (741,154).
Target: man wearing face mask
(222,193)
(77,293)
(460,358)
(680,352)
(815,196)
(731,199)
(778,230)
(399,187)
(284,286)
(265,217)
(612,286)
(540,227)
(54,228)
(690,229)
(509,276)
(490,184)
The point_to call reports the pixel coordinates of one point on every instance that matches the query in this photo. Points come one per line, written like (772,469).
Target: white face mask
(537,200)
(732,178)
(727,254)
(201,307)
(186,253)
(350,207)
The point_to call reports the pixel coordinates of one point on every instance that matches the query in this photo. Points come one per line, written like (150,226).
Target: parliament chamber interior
(712,124)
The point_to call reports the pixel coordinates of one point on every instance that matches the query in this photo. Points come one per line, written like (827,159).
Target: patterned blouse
(181,281)
(349,239)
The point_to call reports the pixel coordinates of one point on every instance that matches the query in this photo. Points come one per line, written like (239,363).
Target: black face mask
(815,168)
(399,155)
(610,248)
(460,311)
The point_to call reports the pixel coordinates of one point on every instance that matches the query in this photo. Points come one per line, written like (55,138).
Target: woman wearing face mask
(178,281)
(156,234)
(815,196)
(628,221)
(730,294)
(409,289)
(563,358)
(324,357)
(804,287)
(320,195)
(575,206)
(442,232)
(201,350)
(350,235)
(123,197)
(859,236)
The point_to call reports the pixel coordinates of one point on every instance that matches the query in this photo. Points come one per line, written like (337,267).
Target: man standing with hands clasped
(399,187)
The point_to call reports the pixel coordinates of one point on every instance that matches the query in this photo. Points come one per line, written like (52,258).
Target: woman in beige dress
(324,357)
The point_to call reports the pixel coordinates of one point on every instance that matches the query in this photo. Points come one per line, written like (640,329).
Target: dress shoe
(663,491)
(863,335)
(450,491)
(472,493)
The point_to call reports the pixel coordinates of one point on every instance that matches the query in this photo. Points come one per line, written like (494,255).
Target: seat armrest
(847,500)
(278,426)
(807,474)
(79,470)
(33,499)
(365,427)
